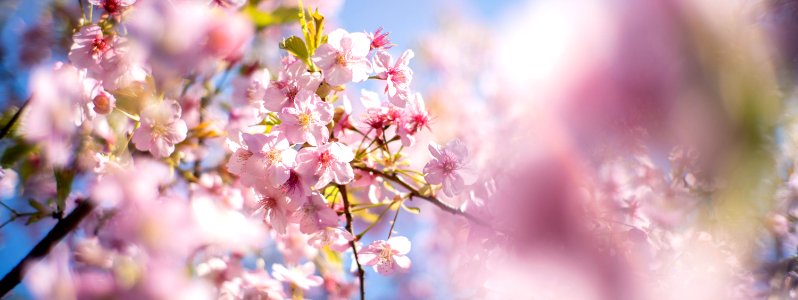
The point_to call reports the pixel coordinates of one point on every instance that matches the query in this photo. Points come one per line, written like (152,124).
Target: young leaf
(63,181)
(279,16)
(296,46)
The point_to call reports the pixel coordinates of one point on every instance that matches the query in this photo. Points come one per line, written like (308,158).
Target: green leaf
(296,46)
(279,16)
(16,152)
(63,180)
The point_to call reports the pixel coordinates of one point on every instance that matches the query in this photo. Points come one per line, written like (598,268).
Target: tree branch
(7,128)
(415,193)
(348,213)
(360,273)
(59,231)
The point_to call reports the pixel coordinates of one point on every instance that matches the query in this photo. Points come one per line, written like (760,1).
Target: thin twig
(59,231)
(415,193)
(360,273)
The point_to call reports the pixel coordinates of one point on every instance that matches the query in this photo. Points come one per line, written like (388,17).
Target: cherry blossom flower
(249,90)
(396,74)
(8,182)
(336,238)
(327,163)
(113,7)
(161,128)
(299,276)
(414,118)
(294,78)
(387,257)
(306,120)
(262,159)
(315,215)
(380,40)
(277,209)
(343,57)
(89,47)
(53,111)
(448,167)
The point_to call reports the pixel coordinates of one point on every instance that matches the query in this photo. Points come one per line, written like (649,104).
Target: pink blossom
(277,209)
(343,57)
(379,115)
(250,89)
(315,215)
(387,256)
(263,159)
(396,74)
(327,163)
(104,102)
(227,35)
(294,78)
(161,128)
(448,167)
(113,7)
(8,182)
(306,120)
(52,113)
(336,238)
(380,40)
(89,47)
(299,276)
(414,118)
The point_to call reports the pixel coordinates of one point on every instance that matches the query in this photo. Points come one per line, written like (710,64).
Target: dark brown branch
(7,128)
(415,193)
(59,231)
(360,273)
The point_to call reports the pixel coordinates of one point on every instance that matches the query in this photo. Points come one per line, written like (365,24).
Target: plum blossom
(343,57)
(397,75)
(315,215)
(161,128)
(448,167)
(299,276)
(327,163)
(294,78)
(336,238)
(262,160)
(89,47)
(306,120)
(387,257)
(414,118)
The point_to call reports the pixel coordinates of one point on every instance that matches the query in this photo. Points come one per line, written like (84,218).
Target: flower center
(98,46)
(325,159)
(305,119)
(268,203)
(386,253)
(449,165)
(341,60)
(111,6)
(159,130)
(274,156)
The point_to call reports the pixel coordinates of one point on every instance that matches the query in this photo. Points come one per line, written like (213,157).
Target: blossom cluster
(193,149)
